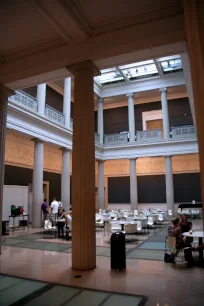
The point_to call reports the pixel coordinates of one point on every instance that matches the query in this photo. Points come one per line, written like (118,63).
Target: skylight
(139,70)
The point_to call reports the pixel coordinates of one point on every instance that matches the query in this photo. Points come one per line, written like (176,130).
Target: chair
(139,227)
(99,221)
(136,212)
(150,222)
(171,247)
(49,230)
(160,220)
(195,213)
(130,229)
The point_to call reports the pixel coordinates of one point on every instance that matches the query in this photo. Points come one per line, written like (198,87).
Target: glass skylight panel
(110,77)
(141,71)
(108,70)
(136,64)
(167,58)
(171,65)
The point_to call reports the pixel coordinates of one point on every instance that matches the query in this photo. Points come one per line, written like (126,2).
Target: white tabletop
(198,234)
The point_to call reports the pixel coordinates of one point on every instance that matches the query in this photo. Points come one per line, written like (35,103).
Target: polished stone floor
(161,283)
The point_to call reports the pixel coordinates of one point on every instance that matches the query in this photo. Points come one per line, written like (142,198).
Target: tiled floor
(161,283)
(19,291)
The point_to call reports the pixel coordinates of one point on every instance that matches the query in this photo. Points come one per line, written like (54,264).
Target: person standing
(54,207)
(45,210)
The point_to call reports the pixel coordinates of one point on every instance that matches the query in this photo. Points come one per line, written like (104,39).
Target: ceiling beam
(159,68)
(123,75)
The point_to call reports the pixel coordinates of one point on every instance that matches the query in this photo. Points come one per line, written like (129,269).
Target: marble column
(4,94)
(189,87)
(37,185)
(67,102)
(41,97)
(65,179)
(133,184)
(100,119)
(83,168)
(169,184)
(165,113)
(131,117)
(101,194)
(194,29)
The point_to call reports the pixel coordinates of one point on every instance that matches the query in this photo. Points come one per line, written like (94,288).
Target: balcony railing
(23,99)
(115,139)
(183,132)
(149,136)
(53,115)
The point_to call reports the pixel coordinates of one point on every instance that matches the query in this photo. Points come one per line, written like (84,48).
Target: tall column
(165,113)
(194,23)
(100,119)
(169,184)
(188,81)
(101,194)
(65,180)
(67,102)
(41,96)
(4,94)
(133,184)
(131,117)
(83,168)
(37,186)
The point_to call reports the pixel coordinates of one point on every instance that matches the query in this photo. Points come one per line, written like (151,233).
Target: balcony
(25,100)
(149,136)
(53,115)
(183,132)
(116,139)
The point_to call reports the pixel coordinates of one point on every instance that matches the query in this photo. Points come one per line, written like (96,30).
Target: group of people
(176,230)
(60,217)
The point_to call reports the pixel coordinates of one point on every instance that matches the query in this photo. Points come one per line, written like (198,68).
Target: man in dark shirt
(45,210)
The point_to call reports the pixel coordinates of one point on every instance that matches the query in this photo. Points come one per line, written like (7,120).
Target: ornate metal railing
(23,99)
(183,132)
(97,137)
(149,136)
(115,139)
(53,115)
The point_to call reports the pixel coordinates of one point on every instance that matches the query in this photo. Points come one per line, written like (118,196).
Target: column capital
(85,65)
(130,95)
(100,100)
(35,139)
(170,156)
(133,158)
(64,149)
(162,90)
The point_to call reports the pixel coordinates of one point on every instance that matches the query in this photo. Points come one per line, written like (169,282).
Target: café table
(123,223)
(200,236)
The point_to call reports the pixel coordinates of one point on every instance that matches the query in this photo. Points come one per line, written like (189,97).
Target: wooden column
(194,23)
(83,169)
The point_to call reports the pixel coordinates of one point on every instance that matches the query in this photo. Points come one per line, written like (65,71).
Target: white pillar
(100,119)
(131,117)
(67,102)
(4,94)
(65,180)
(165,113)
(188,81)
(101,197)
(37,186)
(169,184)
(133,184)
(41,96)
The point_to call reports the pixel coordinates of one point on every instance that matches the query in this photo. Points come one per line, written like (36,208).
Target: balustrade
(25,100)
(116,139)
(97,137)
(149,136)
(53,115)
(182,132)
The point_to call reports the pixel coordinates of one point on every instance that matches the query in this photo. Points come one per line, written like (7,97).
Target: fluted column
(131,117)
(101,194)
(65,179)
(133,184)
(41,97)
(4,94)
(67,102)
(83,168)
(169,184)
(165,113)
(100,119)
(37,186)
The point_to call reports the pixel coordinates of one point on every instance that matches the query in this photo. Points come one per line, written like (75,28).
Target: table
(122,223)
(19,216)
(200,236)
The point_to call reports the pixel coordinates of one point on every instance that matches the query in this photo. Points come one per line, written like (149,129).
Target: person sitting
(61,222)
(175,231)
(186,226)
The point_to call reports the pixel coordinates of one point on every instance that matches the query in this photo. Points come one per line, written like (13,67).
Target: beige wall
(20,152)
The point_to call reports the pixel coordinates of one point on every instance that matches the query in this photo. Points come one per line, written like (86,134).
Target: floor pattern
(16,291)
